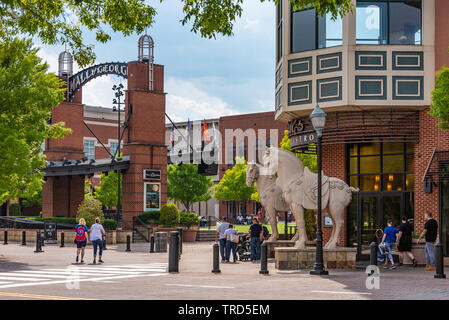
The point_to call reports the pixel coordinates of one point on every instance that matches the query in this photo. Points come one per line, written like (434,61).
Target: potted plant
(191,221)
(169,218)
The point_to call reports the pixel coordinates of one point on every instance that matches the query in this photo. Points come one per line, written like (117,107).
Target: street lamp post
(118,94)
(318,118)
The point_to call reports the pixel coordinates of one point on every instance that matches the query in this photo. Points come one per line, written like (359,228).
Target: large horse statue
(270,193)
(299,187)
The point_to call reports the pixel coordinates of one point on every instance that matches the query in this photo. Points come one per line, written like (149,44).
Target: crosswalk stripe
(81,280)
(83,273)
(23,279)
(37,275)
(103,271)
(44,273)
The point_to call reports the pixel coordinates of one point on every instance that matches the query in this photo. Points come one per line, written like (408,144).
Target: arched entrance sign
(78,80)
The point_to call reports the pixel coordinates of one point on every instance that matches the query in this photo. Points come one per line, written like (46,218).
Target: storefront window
(377,167)
(279,30)
(388,22)
(310,32)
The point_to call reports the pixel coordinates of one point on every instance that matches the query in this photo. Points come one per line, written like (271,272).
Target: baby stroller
(243,248)
(382,253)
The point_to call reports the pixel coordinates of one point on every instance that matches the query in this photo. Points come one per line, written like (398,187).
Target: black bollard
(263,259)
(104,243)
(152,244)
(208,223)
(128,243)
(173,253)
(216,261)
(62,239)
(373,253)
(439,259)
(24,238)
(42,237)
(5,237)
(180,240)
(38,242)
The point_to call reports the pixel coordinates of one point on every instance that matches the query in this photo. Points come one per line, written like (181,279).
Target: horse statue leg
(301,236)
(336,211)
(273,223)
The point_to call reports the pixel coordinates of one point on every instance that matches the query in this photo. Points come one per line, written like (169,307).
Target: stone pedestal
(271,245)
(296,259)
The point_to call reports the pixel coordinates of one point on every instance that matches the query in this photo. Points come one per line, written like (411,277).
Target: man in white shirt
(96,237)
(220,235)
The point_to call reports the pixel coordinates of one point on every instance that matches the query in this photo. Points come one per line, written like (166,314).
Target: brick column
(144,140)
(61,196)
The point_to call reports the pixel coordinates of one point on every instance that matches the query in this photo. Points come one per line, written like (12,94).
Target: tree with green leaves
(232,186)
(27,95)
(106,193)
(64,21)
(186,185)
(308,160)
(440,98)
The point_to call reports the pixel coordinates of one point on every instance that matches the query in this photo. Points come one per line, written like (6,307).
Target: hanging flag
(205,132)
(172,136)
(214,135)
(187,135)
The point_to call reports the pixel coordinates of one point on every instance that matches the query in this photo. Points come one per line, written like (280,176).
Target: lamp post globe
(318,118)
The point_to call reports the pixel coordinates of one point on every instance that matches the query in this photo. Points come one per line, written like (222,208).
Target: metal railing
(138,222)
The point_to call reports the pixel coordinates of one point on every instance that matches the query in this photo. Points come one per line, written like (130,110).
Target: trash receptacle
(161,241)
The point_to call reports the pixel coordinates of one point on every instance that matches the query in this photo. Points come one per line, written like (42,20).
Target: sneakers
(101,261)
(394,266)
(94,262)
(385,266)
(76,259)
(427,267)
(431,268)
(415,263)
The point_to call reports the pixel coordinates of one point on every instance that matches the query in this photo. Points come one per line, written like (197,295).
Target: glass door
(368,221)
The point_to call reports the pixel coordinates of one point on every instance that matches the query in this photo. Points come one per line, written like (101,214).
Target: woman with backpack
(232,240)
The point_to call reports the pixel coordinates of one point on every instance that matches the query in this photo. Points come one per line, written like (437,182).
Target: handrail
(137,220)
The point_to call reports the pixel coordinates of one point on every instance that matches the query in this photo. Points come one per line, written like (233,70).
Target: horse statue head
(275,158)
(252,173)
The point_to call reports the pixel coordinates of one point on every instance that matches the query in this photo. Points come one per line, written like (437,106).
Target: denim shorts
(81,244)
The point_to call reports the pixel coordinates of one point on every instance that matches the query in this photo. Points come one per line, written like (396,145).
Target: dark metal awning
(438,166)
(79,167)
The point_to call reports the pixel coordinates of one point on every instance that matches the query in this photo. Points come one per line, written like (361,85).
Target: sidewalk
(195,281)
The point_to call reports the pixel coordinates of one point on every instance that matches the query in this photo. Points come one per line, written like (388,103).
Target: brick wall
(334,165)
(431,137)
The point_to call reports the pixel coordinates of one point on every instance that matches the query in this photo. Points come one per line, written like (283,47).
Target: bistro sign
(150,174)
(301,134)
(78,80)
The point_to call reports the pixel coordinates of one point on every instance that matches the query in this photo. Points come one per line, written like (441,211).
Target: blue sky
(204,78)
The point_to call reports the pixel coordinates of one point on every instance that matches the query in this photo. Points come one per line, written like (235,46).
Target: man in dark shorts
(431,232)
(404,241)
(256,236)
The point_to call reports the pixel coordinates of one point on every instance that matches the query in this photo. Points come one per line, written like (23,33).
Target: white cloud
(185,100)
(252,25)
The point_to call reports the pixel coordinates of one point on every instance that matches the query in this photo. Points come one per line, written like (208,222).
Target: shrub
(150,217)
(169,215)
(14,209)
(189,219)
(109,224)
(89,209)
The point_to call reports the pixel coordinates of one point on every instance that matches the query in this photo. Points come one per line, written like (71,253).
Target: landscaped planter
(189,235)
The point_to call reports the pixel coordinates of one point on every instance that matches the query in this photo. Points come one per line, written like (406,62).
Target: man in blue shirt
(220,236)
(389,239)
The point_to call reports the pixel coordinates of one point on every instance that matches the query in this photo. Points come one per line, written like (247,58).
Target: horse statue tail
(354,189)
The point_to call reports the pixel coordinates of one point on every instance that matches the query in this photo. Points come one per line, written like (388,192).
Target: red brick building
(372,72)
